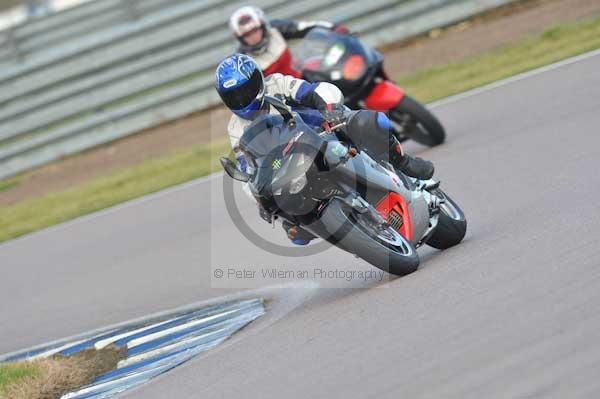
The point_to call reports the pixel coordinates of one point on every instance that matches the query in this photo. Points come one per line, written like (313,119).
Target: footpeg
(431,185)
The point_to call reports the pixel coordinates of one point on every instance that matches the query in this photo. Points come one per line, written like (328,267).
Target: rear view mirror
(233,171)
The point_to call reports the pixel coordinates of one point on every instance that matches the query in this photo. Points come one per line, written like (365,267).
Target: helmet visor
(242,96)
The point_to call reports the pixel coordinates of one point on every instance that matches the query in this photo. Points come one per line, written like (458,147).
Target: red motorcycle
(341,59)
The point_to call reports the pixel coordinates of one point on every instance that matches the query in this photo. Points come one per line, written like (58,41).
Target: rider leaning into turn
(242,87)
(266,41)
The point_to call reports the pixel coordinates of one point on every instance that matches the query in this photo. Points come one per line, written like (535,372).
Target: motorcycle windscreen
(332,55)
(262,136)
(279,152)
(313,49)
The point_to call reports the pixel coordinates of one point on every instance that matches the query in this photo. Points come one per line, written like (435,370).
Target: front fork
(434,201)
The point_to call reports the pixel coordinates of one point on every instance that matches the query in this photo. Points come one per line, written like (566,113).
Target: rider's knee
(370,129)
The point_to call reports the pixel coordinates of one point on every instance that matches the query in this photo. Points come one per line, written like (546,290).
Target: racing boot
(410,166)
(296,234)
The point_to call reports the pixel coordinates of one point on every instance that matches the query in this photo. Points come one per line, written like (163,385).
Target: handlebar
(283,110)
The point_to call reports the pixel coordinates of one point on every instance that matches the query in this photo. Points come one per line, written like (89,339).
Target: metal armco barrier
(109,68)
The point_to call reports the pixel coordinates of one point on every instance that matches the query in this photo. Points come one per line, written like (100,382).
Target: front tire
(340,226)
(417,122)
(452,224)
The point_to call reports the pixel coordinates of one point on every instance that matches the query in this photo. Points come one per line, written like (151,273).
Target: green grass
(54,376)
(9,183)
(14,373)
(431,84)
(149,176)
(555,44)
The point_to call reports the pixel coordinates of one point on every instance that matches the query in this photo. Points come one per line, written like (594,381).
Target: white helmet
(246,19)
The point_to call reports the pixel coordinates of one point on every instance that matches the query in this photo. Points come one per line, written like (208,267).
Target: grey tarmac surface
(513,312)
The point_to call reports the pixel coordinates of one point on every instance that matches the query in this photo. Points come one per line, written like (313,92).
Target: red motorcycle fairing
(384,96)
(283,65)
(394,203)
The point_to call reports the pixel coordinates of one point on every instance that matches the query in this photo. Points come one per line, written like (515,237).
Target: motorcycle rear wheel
(452,224)
(417,122)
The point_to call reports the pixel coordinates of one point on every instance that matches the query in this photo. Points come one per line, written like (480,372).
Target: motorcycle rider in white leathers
(266,41)
(242,87)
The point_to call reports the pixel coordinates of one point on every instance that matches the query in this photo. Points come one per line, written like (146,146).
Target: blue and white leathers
(291,90)
(306,98)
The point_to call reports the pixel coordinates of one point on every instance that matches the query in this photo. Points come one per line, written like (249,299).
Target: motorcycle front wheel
(412,120)
(382,246)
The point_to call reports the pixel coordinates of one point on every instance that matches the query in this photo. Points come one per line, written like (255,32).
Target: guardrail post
(132,11)
(13,45)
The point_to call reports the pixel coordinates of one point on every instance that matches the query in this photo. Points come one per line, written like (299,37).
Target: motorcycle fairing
(394,202)
(384,96)
(376,183)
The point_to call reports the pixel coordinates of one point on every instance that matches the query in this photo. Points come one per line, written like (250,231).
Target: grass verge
(51,378)
(12,374)
(555,44)
(8,184)
(146,178)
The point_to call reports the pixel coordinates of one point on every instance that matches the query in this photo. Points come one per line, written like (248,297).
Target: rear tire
(452,224)
(422,125)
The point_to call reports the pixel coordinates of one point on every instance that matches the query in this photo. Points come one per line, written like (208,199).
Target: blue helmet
(240,83)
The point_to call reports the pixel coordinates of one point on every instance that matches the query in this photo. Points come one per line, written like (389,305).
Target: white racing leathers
(276,56)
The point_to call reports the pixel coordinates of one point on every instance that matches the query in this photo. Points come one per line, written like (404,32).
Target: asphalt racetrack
(512,312)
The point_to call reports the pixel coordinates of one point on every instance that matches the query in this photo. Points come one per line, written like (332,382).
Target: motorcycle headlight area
(298,184)
(290,178)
